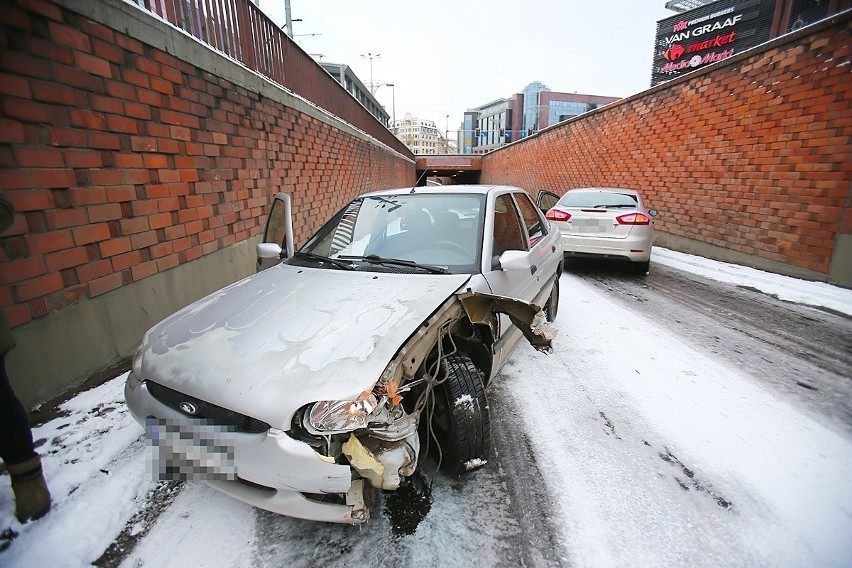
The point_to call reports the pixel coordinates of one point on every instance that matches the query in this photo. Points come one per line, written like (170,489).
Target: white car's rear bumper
(608,247)
(281,471)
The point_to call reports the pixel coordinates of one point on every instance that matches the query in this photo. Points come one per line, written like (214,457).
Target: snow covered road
(640,442)
(661,456)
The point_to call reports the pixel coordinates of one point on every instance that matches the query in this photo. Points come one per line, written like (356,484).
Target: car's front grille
(204,410)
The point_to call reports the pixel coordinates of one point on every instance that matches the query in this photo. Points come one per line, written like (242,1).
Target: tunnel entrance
(449,169)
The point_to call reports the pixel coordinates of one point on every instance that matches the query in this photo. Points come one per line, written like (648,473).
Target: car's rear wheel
(640,268)
(461,419)
(552,305)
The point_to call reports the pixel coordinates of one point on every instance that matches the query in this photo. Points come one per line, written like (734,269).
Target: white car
(325,375)
(604,223)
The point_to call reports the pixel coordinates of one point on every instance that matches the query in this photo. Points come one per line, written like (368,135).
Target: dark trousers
(16,438)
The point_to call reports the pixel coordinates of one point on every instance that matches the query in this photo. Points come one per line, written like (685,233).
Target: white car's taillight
(557,215)
(634,219)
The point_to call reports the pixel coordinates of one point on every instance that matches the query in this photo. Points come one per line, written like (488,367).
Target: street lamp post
(370,56)
(288,21)
(393,103)
(447,135)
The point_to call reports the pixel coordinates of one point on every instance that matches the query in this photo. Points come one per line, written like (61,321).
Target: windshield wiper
(376,259)
(619,205)
(342,264)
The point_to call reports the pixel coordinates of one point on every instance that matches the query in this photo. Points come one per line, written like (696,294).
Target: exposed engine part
(399,426)
(380,462)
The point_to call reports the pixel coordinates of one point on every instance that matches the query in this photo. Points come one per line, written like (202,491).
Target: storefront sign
(709,34)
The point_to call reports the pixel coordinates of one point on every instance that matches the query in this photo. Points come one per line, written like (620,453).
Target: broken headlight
(337,416)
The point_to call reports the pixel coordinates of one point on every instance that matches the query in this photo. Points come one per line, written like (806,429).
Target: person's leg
(16,438)
(32,498)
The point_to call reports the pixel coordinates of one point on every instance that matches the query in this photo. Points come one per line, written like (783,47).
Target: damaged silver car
(337,367)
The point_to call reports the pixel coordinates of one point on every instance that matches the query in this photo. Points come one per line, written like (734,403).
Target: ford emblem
(188,408)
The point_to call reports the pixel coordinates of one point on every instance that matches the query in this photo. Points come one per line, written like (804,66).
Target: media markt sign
(709,34)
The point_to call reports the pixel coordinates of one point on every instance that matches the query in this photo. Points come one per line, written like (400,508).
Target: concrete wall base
(88,337)
(840,269)
(692,246)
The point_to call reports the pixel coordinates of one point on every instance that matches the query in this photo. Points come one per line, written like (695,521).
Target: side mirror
(652,212)
(277,234)
(269,250)
(515,260)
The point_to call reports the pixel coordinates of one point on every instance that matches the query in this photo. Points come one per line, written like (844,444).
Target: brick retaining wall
(124,161)
(754,154)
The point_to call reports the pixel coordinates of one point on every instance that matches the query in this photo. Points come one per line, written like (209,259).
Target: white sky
(446,56)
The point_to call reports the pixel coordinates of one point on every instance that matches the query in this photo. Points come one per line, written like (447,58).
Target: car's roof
(446,190)
(609,189)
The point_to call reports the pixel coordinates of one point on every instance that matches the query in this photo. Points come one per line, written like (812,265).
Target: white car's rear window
(597,199)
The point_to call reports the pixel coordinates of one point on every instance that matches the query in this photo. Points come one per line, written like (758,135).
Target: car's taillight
(634,219)
(557,215)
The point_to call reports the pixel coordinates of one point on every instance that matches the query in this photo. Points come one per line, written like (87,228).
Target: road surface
(680,421)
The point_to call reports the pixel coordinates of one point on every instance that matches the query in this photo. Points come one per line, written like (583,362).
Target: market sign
(708,34)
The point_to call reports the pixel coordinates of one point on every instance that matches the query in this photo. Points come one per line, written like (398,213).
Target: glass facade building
(558,111)
(507,120)
(532,104)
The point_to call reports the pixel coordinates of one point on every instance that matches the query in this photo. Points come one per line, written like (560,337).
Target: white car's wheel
(640,268)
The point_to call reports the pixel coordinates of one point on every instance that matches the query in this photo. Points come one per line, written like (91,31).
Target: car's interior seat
(416,230)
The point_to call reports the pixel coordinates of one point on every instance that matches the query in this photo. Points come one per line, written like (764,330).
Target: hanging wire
(426,400)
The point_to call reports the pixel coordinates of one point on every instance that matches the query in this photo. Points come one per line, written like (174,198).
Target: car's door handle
(533,268)
(553,248)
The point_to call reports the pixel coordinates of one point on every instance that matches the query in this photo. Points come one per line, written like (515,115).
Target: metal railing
(241,31)
(237,28)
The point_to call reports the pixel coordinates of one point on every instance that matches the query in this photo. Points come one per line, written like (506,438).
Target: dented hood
(289,336)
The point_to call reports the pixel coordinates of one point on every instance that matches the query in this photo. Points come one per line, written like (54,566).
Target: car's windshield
(597,199)
(437,230)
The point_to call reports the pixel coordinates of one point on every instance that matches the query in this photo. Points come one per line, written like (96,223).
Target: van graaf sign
(691,41)
(706,35)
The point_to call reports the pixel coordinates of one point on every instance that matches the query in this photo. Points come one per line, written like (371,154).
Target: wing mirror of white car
(652,212)
(268,250)
(515,260)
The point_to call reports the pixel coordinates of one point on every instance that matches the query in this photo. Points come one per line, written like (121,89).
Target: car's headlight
(337,416)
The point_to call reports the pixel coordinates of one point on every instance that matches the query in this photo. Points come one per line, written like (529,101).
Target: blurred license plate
(588,225)
(187,450)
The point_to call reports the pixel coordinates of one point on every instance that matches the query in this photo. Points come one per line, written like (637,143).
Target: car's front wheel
(552,305)
(461,419)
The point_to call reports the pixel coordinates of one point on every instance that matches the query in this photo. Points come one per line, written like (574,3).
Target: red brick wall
(124,161)
(753,155)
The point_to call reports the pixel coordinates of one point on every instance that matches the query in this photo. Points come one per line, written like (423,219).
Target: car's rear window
(597,199)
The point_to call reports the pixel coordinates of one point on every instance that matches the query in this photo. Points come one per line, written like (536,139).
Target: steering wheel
(451,245)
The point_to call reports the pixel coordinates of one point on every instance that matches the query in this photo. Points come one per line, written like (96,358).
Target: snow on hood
(289,336)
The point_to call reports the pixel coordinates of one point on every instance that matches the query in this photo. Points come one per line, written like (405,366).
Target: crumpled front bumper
(279,469)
